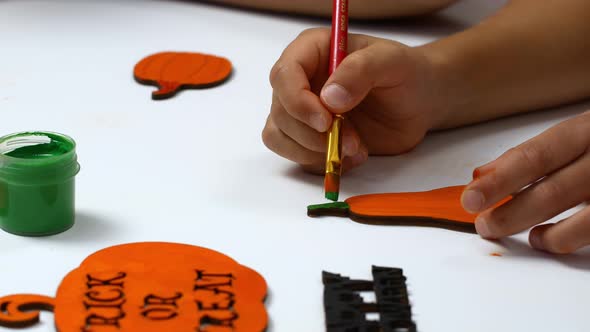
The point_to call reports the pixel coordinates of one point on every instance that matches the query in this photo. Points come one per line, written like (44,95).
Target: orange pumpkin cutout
(172,71)
(150,287)
(435,208)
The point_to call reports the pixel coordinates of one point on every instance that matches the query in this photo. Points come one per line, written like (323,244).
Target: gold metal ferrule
(334,155)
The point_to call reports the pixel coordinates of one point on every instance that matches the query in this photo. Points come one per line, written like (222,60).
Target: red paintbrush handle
(339,39)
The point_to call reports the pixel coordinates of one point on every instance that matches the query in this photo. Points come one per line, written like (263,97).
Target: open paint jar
(37,172)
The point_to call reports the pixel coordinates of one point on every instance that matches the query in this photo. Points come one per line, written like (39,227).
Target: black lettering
(96,282)
(118,305)
(210,321)
(202,275)
(97,296)
(215,306)
(224,301)
(221,300)
(213,286)
(98,320)
(152,299)
(164,307)
(159,313)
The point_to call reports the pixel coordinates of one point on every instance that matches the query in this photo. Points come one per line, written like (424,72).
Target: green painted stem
(339,209)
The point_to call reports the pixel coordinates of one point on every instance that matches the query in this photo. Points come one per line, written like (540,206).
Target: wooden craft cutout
(23,310)
(172,71)
(435,208)
(150,287)
(347,311)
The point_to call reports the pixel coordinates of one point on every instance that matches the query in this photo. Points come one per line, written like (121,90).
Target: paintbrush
(338,47)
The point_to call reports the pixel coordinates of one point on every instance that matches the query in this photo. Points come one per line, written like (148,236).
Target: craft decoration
(346,310)
(435,208)
(150,287)
(172,71)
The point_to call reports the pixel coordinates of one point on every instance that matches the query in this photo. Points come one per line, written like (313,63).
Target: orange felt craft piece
(436,208)
(150,286)
(172,71)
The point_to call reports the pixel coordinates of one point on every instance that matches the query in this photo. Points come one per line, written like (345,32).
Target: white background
(193,169)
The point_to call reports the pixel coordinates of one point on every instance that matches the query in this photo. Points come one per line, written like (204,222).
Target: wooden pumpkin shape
(172,71)
(435,208)
(150,286)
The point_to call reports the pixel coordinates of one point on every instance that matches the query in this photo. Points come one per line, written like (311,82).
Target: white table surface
(157,171)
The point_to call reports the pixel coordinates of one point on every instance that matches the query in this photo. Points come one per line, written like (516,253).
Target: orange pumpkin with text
(150,286)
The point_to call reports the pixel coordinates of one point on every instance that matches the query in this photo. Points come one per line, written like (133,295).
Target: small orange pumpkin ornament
(172,71)
(150,287)
(434,208)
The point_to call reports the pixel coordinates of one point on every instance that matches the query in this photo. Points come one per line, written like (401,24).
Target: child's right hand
(387,92)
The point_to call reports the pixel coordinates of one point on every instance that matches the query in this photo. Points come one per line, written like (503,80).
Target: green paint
(37,186)
(338,209)
(333,205)
(54,147)
(331,195)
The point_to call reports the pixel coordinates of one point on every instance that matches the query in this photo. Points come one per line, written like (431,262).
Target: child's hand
(385,90)
(556,165)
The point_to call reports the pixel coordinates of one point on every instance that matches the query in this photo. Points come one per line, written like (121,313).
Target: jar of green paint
(37,172)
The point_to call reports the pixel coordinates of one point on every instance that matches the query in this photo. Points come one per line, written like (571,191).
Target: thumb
(380,65)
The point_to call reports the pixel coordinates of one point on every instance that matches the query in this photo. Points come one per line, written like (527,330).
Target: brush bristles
(332,186)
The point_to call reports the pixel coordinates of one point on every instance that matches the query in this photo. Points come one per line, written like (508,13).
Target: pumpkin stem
(337,209)
(18,311)
(166,90)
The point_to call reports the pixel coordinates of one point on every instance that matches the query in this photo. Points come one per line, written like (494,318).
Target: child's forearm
(532,54)
(365,9)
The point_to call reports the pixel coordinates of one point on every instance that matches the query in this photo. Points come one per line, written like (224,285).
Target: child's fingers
(291,87)
(351,142)
(300,132)
(307,136)
(378,65)
(527,163)
(565,236)
(350,162)
(290,78)
(314,169)
(545,199)
(311,161)
(308,51)
(286,147)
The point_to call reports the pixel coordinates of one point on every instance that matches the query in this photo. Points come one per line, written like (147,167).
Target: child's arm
(528,56)
(532,54)
(364,9)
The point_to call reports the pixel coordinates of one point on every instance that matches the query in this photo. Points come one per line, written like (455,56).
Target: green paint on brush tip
(333,205)
(332,195)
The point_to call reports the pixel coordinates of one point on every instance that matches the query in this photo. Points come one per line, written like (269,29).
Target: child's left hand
(547,175)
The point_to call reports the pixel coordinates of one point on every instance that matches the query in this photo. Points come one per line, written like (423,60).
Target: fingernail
(476,174)
(482,227)
(473,201)
(349,146)
(318,122)
(335,96)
